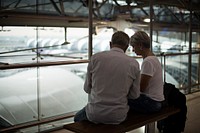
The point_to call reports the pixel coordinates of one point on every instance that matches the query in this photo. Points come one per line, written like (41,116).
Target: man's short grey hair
(140,37)
(120,38)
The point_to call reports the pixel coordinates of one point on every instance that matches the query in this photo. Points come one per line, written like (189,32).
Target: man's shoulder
(99,54)
(132,59)
(133,62)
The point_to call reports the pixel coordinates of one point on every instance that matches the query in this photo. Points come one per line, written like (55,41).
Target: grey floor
(193,116)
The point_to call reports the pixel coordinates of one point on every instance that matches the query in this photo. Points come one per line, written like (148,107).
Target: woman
(151,80)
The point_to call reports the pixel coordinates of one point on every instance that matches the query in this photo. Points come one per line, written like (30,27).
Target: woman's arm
(144,81)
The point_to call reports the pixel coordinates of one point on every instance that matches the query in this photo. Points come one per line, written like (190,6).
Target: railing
(184,61)
(41,64)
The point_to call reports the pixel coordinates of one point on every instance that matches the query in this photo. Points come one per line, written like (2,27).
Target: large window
(41,92)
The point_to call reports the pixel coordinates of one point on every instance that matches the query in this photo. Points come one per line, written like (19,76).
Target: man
(112,78)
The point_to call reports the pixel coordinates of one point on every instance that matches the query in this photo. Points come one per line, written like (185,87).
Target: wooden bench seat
(134,121)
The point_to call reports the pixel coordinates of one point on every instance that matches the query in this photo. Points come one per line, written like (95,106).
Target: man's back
(113,74)
(112,77)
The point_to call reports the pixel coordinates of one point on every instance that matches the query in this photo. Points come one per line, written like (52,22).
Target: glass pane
(61,89)
(42,44)
(195,72)
(17,45)
(177,70)
(18,94)
(78,47)
(102,38)
(195,65)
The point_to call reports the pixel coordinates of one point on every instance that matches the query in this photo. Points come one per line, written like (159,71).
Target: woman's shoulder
(150,59)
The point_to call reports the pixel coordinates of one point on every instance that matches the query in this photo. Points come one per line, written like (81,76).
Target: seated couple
(115,84)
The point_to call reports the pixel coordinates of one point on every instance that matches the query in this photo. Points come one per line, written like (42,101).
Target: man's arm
(135,88)
(88,80)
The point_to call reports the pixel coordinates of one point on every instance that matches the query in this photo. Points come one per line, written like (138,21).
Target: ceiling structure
(171,14)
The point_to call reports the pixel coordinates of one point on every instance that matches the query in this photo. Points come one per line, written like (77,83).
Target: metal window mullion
(190,53)
(90,29)
(151,22)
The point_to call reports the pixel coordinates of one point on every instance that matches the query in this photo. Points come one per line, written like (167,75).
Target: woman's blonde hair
(140,37)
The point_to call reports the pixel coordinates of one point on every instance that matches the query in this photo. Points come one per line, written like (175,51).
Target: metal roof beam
(56,7)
